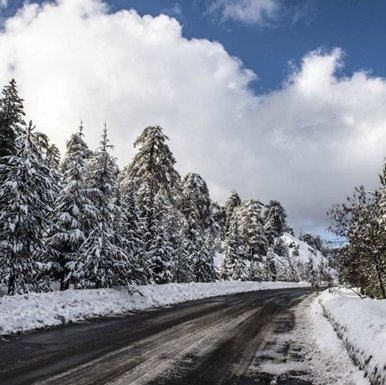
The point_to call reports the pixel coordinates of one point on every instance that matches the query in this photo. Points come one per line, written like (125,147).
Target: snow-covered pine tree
(289,273)
(12,122)
(50,152)
(27,192)
(74,214)
(274,220)
(12,126)
(53,157)
(312,273)
(128,231)
(218,213)
(160,254)
(359,221)
(199,230)
(231,203)
(102,262)
(174,222)
(314,241)
(234,262)
(379,259)
(152,175)
(252,229)
(270,270)
(42,142)
(280,248)
(153,165)
(252,232)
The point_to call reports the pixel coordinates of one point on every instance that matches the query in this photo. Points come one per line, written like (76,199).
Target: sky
(276,99)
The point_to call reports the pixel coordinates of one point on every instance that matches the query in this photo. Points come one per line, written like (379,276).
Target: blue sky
(306,132)
(356,26)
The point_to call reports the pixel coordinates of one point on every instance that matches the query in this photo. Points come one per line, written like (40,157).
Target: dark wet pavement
(218,340)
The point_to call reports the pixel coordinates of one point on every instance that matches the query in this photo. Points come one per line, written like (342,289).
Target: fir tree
(270,270)
(312,240)
(160,252)
(26,197)
(199,230)
(274,221)
(152,175)
(42,142)
(103,263)
(174,222)
(133,227)
(219,217)
(280,248)
(153,165)
(12,122)
(312,273)
(74,214)
(232,202)
(50,152)
(252,230)
(128,234)
(234,263)
(363,259)
(53,157)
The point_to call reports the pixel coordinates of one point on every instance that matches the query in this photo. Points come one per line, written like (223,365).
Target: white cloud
(3,3)
(306,144)
(247,11)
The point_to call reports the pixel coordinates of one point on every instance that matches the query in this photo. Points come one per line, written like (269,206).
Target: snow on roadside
(325,356)
(361,324)
(25,312)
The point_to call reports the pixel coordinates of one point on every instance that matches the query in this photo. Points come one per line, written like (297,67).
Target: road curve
(210,341)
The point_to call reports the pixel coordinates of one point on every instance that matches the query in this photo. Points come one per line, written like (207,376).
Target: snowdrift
(361,324)
(21,313)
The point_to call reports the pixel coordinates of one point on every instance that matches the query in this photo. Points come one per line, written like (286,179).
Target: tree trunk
(11,285)
(380,281)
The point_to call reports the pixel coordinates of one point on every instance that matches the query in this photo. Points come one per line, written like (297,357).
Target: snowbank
(361,324)
(21,313)
(315,350)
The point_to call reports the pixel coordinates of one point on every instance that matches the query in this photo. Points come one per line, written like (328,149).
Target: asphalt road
(211,341)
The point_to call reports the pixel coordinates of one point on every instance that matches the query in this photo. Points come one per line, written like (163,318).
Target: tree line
(82,222)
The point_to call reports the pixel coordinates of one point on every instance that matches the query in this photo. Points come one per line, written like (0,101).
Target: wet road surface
(211,341)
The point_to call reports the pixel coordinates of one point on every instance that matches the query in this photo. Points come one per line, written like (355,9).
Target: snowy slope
(300,254)
(305,251)
(361,324)
(294,266)
(20,313)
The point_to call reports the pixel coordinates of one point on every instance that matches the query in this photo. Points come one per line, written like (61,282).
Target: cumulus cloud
(247,11)
(306,144)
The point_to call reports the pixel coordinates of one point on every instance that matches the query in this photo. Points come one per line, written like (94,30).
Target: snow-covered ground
(326,358)
(25,312)
(341,338)
(361,325)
